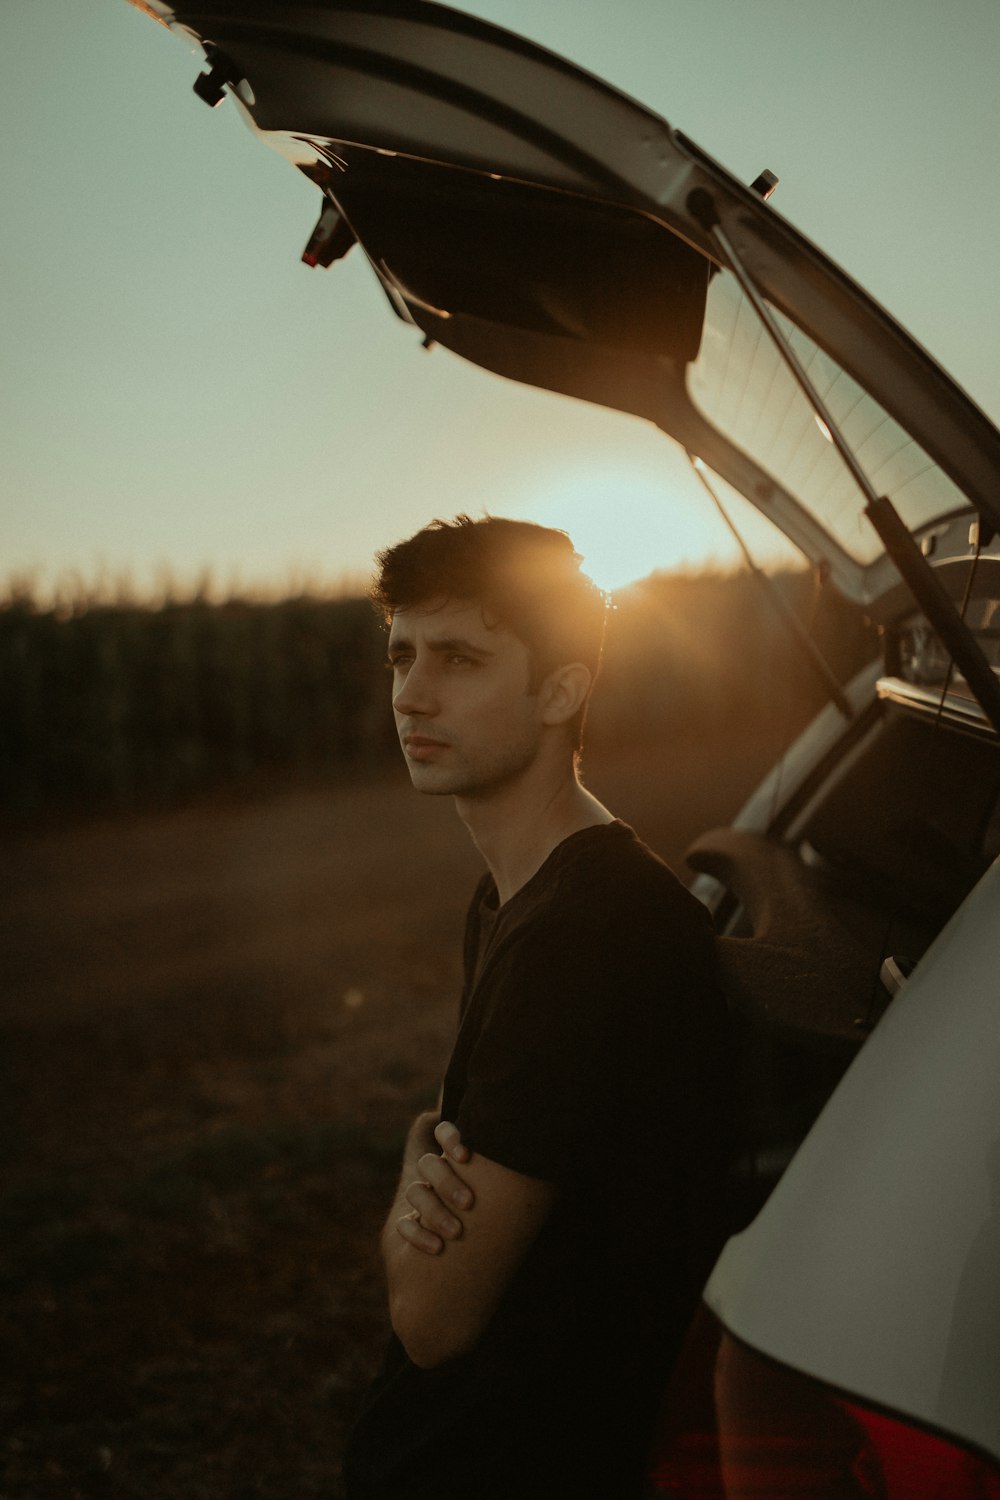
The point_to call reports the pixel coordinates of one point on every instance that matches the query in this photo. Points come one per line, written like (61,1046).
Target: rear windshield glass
(743,387)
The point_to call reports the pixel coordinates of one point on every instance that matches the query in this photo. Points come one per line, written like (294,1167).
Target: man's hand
(438,1196)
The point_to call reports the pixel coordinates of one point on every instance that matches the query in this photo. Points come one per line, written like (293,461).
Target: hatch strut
(917,573)
(803,639)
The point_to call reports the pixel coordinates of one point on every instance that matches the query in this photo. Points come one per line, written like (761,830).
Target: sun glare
(626,528)
(628,524)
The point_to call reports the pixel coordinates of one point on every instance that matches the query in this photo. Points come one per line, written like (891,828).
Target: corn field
(116,706)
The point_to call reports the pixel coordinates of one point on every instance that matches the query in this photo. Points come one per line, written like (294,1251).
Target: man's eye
(395,663)
(461,661)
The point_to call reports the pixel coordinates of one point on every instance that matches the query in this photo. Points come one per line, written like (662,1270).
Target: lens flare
(627,526)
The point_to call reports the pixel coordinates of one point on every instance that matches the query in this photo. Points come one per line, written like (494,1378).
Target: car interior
(824,912)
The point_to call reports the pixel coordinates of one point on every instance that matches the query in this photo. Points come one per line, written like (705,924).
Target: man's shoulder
(605,896)
(613,871)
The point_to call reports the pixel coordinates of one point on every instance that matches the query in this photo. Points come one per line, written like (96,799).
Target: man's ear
(564,692)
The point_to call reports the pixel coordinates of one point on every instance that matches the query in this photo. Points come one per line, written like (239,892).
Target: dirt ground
(216,1025)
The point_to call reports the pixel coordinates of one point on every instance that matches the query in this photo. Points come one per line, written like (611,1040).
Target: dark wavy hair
(524,576)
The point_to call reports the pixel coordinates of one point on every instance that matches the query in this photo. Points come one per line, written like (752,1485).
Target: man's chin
(433,791)
(433,781)
(436,781)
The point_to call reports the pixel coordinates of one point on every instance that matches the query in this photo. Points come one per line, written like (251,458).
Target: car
(533,220)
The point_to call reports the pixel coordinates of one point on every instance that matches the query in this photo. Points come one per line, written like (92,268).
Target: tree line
(121,706)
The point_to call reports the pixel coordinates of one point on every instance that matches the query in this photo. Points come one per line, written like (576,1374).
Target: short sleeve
(536,1066)
(604,1025)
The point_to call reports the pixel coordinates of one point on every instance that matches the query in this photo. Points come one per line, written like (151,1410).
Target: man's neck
(516,827)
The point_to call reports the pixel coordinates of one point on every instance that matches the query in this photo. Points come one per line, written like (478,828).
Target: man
(556,1217)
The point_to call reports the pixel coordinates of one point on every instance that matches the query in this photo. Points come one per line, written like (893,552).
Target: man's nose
(415,694)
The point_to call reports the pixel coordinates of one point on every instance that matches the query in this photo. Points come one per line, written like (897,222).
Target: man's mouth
(421,746)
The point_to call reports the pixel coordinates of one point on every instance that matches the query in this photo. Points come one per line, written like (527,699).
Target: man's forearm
(406,1267)
(443,1295)
(434,1318)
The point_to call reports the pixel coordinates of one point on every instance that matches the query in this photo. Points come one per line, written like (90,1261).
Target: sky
(179,392)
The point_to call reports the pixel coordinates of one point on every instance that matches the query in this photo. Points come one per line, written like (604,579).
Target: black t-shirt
(592,1053)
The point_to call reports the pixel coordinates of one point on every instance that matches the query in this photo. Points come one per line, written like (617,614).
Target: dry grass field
(216,1024)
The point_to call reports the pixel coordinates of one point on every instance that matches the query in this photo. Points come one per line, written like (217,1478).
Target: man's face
(464,714)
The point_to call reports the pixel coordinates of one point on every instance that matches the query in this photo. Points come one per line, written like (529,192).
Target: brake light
(737,1425)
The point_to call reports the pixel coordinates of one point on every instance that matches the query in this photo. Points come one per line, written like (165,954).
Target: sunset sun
(627,524)
(626,527)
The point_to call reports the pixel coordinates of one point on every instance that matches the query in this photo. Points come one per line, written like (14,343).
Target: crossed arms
(458,1228)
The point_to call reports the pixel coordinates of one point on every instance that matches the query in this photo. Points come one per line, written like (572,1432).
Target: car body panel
(911,1136)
